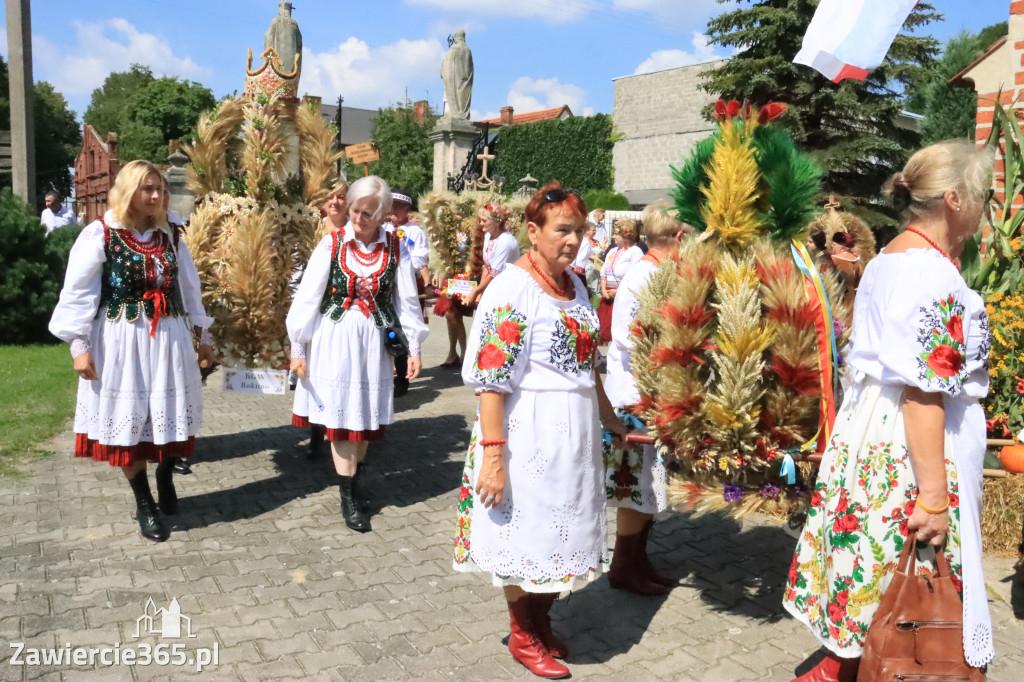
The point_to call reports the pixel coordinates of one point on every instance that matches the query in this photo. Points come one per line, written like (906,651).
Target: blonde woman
(618,262)
(132,310)
(634,478)
(335,208)
(500,246)
(905,461)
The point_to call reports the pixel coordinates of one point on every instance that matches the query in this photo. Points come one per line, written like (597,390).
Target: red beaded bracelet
(499,441)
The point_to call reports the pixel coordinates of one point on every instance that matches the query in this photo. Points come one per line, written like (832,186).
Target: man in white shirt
(55,215)
(415,240)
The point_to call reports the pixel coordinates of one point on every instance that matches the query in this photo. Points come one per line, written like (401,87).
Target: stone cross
(832,204)
(485,157)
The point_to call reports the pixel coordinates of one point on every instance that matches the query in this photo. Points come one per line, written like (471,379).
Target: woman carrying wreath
(618,262)
(359,284)
(531,510)
(904,463)
(635,480)
(132,310)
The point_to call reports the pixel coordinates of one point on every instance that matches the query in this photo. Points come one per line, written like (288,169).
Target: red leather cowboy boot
(526,647)
(832,669)
(627,573)
(540,608)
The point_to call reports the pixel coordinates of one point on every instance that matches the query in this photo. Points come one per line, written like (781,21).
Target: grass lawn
(37,400)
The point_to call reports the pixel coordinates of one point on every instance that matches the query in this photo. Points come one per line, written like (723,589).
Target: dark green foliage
(147,112)
(690,177)
(951,112)
(851,128)
(58,136)
(577,151)
(607,199)
(32,268)
(406,152)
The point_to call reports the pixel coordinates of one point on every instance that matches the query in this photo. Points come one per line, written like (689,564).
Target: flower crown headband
(498,212)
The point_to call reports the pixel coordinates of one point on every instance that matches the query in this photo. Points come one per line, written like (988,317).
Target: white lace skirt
(857,523)
(351,376)
(149,389)
(549,532)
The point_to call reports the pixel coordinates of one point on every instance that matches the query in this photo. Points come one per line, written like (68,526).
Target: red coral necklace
(922,235)
(560,292)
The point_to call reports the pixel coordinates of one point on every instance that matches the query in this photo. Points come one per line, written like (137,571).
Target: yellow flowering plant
(1004,407)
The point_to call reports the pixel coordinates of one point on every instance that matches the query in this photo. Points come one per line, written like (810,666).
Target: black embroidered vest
(372,294)
(130,275)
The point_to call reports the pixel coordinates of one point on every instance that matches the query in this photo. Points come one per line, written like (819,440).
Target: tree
(852,128)
(950,112)
(147,112)
(406,152)
(57,135)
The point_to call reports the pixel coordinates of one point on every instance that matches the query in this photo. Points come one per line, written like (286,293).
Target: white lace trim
(80,345)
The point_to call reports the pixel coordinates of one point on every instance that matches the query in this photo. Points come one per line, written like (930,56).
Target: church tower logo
(169,623)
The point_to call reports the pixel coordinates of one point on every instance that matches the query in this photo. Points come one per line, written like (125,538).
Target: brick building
(998,74)
(96,167)
(659,117)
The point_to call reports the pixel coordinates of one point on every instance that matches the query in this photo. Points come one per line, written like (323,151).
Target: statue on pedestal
(284,36)
(457,74)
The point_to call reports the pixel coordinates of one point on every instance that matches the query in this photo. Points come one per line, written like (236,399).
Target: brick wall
(659,117)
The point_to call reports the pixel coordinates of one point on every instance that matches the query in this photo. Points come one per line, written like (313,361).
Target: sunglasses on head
(556,196)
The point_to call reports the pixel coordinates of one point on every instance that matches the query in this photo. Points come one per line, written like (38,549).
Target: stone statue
(457,74)
(284,36)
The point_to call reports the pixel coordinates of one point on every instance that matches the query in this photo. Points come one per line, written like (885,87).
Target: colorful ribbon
(788,469)
(159,307)
(828,355)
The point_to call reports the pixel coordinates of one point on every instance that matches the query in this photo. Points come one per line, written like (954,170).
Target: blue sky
(529,53)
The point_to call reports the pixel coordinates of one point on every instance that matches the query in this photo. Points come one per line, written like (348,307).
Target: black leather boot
(316,442)
(165,486)
(150,523)
(354,517)
(362,500)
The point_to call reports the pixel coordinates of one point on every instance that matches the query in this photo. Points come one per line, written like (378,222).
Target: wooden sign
(264,381)
(362,153)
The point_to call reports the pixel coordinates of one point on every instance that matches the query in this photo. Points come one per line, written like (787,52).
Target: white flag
(849,38)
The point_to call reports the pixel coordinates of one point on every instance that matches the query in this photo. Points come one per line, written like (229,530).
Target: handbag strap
(908,559)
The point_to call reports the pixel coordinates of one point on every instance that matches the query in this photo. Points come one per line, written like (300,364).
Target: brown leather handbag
(917,634)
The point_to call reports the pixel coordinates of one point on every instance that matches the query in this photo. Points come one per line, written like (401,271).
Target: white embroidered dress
(350,384)
(499,252)
(634,478)
(618,263)
(916,323)
(549,532)
(149,389)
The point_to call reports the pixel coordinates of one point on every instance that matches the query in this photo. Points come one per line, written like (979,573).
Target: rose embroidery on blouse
(501,342)
(575,340)
(942,358)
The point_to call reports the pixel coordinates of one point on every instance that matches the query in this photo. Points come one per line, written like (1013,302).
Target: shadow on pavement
(427,387)
(410,466)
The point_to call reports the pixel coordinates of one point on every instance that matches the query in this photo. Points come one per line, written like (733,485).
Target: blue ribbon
(788,469)
(631,423)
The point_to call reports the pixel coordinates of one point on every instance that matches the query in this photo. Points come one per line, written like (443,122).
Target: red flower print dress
(549,532)
(916,323)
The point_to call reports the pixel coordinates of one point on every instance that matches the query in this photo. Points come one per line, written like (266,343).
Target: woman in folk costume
(500,246)
(531,509)
(359,284)
(618,262)
(634,478)
(132,310)
(335,217)
(905,460)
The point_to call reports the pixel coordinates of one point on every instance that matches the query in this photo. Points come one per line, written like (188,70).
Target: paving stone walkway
(266,570)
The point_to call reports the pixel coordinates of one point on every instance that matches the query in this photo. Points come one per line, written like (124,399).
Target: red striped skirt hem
(340,434)
(126,455)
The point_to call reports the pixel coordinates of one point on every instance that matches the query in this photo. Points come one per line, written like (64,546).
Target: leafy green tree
(57,135)
(851,128)
(607,199)
(406,152)
(32,266)
(950,112)
(147,112)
